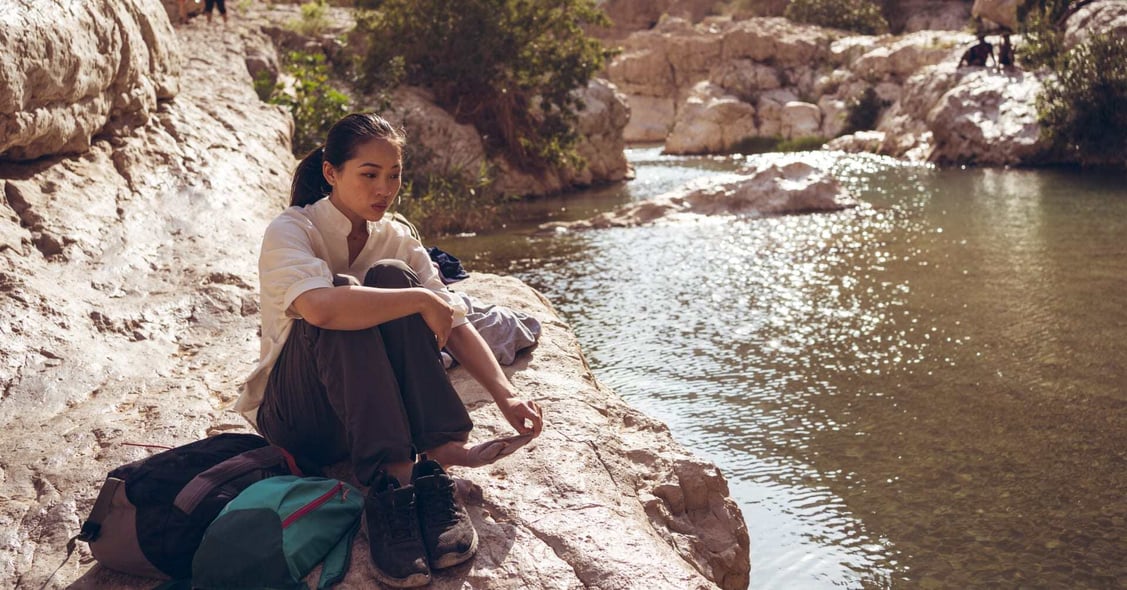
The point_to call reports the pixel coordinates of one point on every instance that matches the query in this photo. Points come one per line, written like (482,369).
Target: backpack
(151,514)
(276,531)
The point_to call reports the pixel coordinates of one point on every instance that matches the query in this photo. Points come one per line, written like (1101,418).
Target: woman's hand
(439,316)
(525,416)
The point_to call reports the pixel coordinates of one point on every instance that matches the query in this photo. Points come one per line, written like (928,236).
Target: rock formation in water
(129,316)
(769,189)
(707,87)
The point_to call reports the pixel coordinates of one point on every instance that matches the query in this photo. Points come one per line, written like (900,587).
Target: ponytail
(309,184)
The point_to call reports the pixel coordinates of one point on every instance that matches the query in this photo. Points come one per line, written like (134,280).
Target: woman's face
(365,186)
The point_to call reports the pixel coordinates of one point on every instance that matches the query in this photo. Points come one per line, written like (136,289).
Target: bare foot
(490,451)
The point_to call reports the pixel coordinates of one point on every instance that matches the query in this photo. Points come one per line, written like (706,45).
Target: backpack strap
(241,464)
(92,527)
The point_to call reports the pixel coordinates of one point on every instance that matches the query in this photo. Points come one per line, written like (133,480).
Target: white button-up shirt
(302,249)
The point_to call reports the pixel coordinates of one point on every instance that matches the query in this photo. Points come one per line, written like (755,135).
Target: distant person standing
(1006,52)
(210,5)
(977,55)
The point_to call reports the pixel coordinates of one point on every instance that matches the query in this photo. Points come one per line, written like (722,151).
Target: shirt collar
(329,219)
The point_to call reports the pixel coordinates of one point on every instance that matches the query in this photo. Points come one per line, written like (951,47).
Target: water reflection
(925,391)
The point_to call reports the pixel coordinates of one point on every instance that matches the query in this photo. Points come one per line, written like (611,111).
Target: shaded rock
(447,146)
(770,189)
(74,70)
(600,124)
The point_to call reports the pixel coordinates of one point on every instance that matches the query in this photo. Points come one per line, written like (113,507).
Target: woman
(353,318)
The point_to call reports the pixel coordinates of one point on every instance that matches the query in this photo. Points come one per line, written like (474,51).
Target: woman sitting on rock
(353,318)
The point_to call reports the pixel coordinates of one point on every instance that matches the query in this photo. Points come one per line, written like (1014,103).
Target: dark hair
(309,184)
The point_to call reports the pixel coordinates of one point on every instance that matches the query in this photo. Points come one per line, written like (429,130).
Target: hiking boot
(394,540)
(448,534)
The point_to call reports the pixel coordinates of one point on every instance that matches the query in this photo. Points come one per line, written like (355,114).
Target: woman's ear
(329,173)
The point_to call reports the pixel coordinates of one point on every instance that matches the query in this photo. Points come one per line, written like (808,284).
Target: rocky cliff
(129,315)
(707,87)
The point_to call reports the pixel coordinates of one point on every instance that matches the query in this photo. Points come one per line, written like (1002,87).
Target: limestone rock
(72,70)
(447,146)
(1002,12)
(1103,16)
(710,122)
(800,119)
(628,16)
(989,118)
(600,124)
(772,188)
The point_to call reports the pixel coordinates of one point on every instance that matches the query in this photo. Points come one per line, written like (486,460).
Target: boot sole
(412,581)
(453,559)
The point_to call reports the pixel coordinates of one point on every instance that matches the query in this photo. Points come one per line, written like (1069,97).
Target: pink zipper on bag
(310,507)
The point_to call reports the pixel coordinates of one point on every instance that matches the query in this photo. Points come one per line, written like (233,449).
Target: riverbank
(129,316)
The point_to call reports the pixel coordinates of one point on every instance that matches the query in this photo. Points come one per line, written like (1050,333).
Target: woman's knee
(391,273)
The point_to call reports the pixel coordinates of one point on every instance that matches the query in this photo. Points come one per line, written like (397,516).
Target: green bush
(509,67)
(314,18)
(1082,110)
(860,16)
(313,102)
(448,202)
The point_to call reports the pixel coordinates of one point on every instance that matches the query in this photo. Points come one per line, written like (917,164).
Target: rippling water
(923,392)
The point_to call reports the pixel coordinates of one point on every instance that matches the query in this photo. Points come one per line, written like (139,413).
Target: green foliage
(860,16)
(764,145)
(313,102)
(1042,42)
(1082,110)
(314,18)
(449,202)
(264,85)
(864,112)
(509,67)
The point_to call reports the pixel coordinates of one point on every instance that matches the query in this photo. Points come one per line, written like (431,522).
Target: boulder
(443,145)
(800,119)
(771,188)
(73,70)
(1001,12)
(710,122)
(1103,16)
(988,118)
(651,118)
(601,123)
(770,110)
(897,58)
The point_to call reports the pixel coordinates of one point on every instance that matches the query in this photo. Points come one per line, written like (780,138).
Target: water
(923,392)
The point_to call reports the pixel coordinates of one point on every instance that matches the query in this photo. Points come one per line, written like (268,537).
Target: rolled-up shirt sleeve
(415,255)
(289,267)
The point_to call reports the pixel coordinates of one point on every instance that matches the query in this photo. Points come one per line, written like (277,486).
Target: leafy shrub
(314,18)
(448,202)
(860,16)
(313,102)
(509,67)
(1082,110)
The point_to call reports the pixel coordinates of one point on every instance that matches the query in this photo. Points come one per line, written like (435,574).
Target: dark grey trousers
(375,395)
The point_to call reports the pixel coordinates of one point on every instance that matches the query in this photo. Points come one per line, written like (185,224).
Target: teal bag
(277,530)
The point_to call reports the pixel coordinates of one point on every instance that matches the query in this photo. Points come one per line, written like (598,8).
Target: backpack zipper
(311,506)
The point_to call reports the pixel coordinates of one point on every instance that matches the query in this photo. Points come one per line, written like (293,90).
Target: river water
(927,391)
